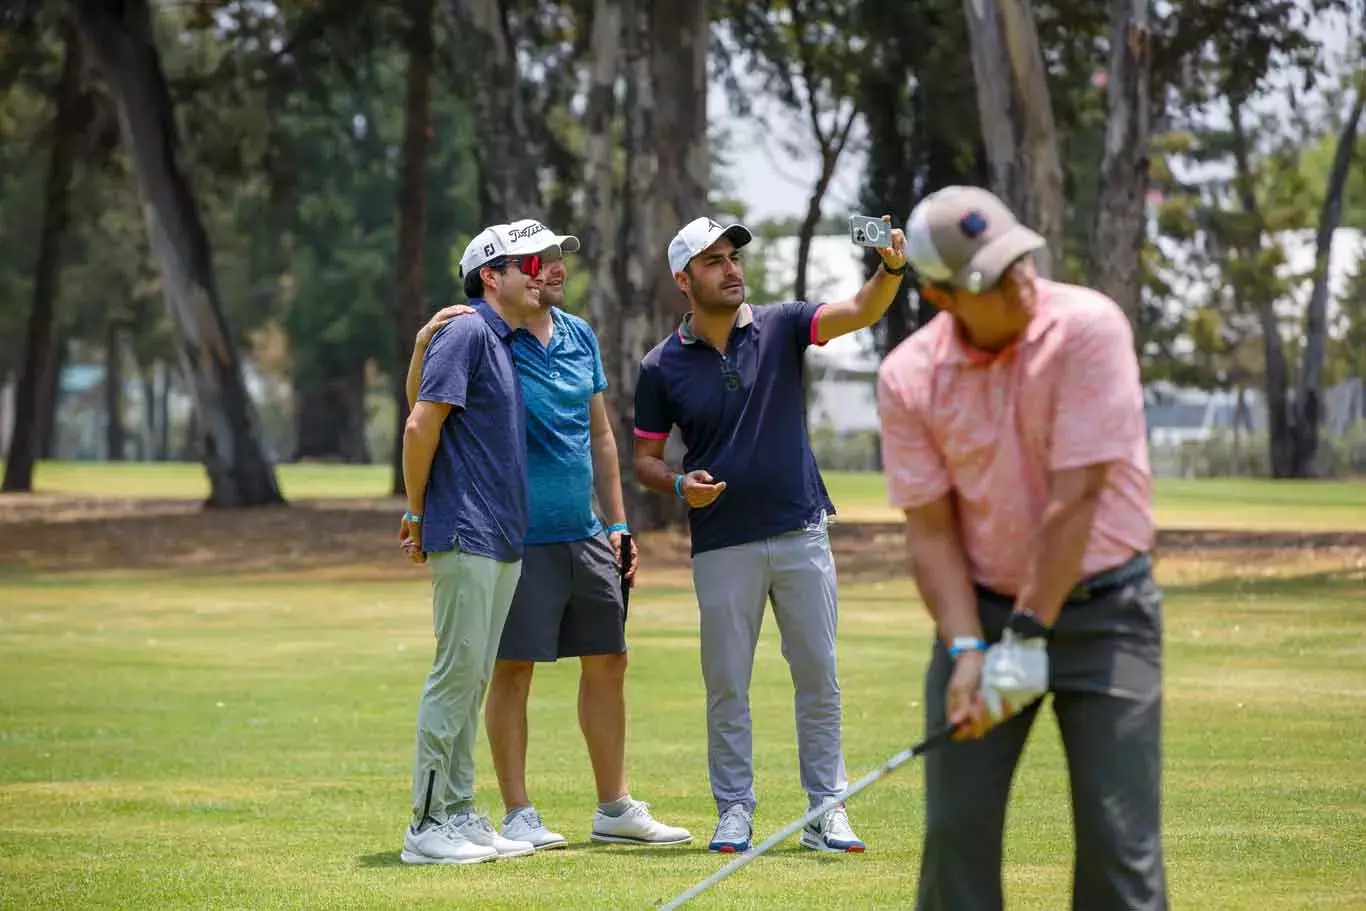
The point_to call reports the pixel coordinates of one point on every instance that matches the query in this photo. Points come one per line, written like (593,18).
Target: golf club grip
(622,569)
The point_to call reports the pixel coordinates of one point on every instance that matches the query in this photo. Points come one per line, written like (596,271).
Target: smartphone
(867,231)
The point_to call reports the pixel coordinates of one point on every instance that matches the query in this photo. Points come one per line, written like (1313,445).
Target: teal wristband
(620,526)
(414,518)
(678,485)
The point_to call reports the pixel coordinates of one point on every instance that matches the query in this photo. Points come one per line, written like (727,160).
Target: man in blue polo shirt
(464,467)
(730,378)
(569,600)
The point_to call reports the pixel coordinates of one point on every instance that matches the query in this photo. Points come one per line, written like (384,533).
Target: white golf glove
(1015,672)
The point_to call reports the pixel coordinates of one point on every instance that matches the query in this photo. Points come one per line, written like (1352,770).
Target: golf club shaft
(787,831)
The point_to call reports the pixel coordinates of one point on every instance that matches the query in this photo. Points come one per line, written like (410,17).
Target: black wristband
(1027,626)
(900,270)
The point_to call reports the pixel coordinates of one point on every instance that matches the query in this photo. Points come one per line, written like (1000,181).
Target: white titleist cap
(521,238)
(699,234)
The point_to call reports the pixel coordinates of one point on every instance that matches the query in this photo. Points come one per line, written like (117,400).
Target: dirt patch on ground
(55,533)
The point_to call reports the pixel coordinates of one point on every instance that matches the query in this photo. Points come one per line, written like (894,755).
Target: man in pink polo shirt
(1014,440)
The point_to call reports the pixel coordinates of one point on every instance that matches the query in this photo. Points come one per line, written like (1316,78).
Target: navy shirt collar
(743,318)
(491,317)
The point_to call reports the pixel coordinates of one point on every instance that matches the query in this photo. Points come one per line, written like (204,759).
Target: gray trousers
(734,584)
(1106,679)
(470,600)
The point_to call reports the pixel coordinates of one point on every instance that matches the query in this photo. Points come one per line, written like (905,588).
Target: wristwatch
(1026,625)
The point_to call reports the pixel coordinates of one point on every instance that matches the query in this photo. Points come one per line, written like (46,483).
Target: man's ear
(683,281)
(490,277)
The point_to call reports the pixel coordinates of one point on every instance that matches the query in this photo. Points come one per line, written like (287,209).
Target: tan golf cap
(966,237)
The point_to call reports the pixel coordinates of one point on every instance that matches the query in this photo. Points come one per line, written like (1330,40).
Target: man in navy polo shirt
(464,467)
(569,599)
(730,378)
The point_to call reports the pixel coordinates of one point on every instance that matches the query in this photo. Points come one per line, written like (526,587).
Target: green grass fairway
(181,741)
(1241,504)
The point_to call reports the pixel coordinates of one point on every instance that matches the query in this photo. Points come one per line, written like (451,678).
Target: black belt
(1112,580)
(1101,584)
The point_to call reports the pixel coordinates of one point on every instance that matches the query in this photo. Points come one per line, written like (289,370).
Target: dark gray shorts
(568,603)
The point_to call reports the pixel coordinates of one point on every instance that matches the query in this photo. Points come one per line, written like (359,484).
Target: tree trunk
(147,439)
(1016,115)
(115,435)
(1276,374)
(48,401)
(1307,417)
(410,301)
(39,377)
(118,36)
(667,178)
(603,218)
(330,417)
(505,152)
(889,182)
(1117,243)
(166,381)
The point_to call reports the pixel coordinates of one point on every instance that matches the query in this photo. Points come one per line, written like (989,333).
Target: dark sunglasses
(530,265)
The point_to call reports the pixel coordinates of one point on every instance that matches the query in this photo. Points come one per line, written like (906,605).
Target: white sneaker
(636,827)
(526,825)
(733,831)
(832,832)
(441,844)
(479,830)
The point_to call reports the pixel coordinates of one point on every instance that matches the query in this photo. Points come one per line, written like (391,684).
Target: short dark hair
(474,282)
(474,285)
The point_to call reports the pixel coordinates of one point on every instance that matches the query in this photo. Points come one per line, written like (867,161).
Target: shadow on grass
(380,859)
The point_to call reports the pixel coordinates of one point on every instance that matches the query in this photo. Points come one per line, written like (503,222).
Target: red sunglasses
(530,265)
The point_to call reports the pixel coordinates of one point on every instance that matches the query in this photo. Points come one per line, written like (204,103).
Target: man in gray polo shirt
(464,467)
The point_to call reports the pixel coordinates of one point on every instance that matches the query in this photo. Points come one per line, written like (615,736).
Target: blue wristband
(413,518)
(620,526)
(963,644)
(678,485)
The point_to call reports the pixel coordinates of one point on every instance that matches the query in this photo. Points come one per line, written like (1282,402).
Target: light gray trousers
(734,584)
(470,600)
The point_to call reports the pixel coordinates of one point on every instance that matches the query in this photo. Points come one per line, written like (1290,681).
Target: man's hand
(441,318)
(1015,674)
(965,709)
(700,489)
(615,538)
(410,539)
(894,256)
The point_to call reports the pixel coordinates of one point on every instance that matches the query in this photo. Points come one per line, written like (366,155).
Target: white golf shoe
(832,832)
(734,831)
(636,827)
(525,824)
(477,828)
(439,843)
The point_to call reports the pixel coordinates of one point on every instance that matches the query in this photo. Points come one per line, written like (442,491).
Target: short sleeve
(1098,415)
(912,462)
(653,418)
(452,355)
(599,373)
(804,318)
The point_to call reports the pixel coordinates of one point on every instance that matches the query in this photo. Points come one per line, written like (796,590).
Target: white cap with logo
(521,238)
(699,234)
